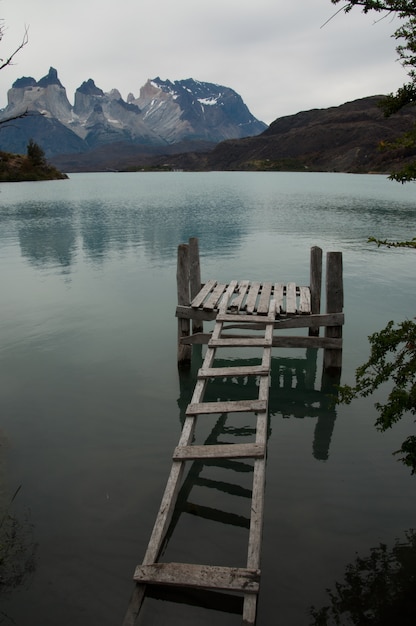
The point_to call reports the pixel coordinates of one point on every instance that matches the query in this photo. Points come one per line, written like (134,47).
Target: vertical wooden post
(184,325)
(315,286)
(195,277)
(334,304)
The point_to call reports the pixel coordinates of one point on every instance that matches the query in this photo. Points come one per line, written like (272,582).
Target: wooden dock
(296,306)
(246,315)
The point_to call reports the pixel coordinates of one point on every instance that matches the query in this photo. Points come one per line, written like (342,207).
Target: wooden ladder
(245,580)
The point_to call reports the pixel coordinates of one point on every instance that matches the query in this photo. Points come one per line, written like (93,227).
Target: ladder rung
(239,406)
(242,370)
(250,319)
(240,342)
(221,451)
(205,576)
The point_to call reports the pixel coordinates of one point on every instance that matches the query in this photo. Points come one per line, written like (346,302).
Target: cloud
(274,53)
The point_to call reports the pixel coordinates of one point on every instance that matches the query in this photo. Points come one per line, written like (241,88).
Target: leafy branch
(392,360)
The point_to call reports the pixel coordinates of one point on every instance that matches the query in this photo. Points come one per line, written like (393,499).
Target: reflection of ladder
(236,579)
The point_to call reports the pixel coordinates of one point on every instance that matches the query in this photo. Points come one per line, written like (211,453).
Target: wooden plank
(264,299)
(237,302)
(278,296)
(239,342)
(239,406)
(237,370)
(214,297)
(290,299)
(304,301)
(200,297)
(241,318)
(306,342)
(206,576)
(252,297)
(220,451)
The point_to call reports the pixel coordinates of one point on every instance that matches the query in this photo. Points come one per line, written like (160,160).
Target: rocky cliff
(165,113)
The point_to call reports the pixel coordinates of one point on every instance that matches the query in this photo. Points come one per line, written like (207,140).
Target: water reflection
(377,590)
(292,392)
(47,236)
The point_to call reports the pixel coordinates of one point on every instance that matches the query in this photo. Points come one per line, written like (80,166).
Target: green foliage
(17,168)
(392,360)
(35,154)
(393,244)
(378,590)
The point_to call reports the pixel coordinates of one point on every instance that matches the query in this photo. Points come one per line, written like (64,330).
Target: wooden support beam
(334,304)
(315,286)
(184,326)
(194,277)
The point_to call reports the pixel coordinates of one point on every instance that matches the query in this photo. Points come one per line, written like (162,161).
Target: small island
(29,167)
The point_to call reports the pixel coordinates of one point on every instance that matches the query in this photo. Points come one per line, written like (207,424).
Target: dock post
(195,277)
(184,325)
(334,304)
(315,286)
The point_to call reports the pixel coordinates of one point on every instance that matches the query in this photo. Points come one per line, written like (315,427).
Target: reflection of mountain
(47,235)
(51,232)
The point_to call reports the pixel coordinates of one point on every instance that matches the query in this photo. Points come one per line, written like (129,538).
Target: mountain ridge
(164,113)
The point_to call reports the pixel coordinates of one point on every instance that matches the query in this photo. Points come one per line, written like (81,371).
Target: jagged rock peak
(50,79)
(24,82)
(89,88)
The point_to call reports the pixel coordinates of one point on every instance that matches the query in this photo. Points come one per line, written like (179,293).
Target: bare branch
(8,61)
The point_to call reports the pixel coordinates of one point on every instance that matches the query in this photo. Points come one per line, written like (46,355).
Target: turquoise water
(91,400)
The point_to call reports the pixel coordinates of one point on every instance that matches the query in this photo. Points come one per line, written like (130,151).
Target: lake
(91,400)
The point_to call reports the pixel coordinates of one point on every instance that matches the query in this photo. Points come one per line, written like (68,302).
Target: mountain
(346,138)
(165,113)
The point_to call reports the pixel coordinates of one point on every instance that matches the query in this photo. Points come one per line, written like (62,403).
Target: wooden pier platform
(296,306)
(246,315)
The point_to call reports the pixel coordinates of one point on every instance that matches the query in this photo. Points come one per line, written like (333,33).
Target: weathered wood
(315,285)
(252,297)
(194,267)
(278,341)
(238,370)
(239,342)
(205,290)
(264,299)
(214,298)
(238,406)
(237,302)
(334,304)
(304,301)
(182,281)
(194,278)
(291,299)
(278,296)
(220,451)
(206,576)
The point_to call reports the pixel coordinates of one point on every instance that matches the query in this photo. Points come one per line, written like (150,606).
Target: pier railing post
(194,277)
(315,286)
(182,281)
(334,304)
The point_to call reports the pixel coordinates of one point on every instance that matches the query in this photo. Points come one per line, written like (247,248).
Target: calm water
(91,401)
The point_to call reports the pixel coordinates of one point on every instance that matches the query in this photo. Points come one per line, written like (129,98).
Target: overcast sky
(275,53)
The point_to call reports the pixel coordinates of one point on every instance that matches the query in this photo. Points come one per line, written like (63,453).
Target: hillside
(346,138)
(18,167)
